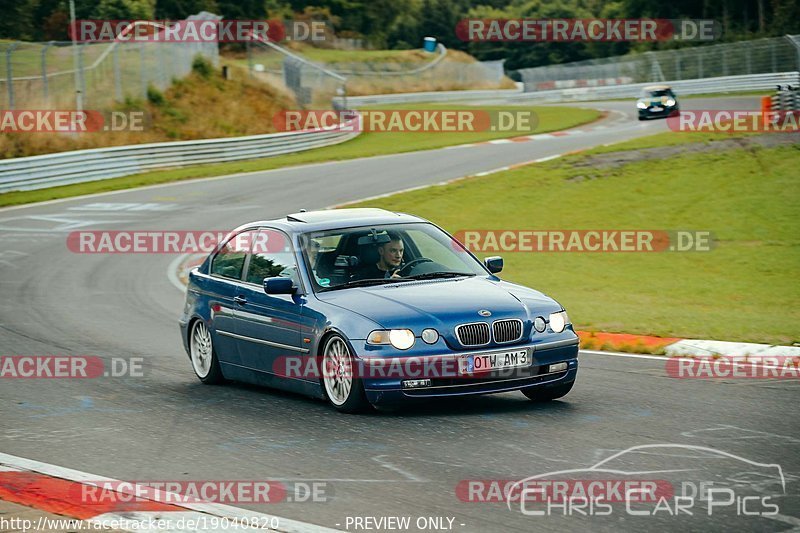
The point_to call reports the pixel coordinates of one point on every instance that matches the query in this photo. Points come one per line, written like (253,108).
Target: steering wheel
(412,263)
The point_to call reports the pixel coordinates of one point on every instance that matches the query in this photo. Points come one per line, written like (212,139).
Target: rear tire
(203,355)
(546,394)
(343,388)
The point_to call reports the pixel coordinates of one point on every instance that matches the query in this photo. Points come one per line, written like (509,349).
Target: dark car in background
(657,101)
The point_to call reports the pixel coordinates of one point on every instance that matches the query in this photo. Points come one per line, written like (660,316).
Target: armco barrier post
(142,72)
(81,74)
(249,58)
(45,88)
(795,40)
(117,73)
(10,74)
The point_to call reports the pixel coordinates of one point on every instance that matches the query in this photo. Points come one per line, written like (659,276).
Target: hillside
(202,105)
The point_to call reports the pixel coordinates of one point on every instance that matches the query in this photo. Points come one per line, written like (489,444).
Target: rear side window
(229,261)
(271,257)
(271,265)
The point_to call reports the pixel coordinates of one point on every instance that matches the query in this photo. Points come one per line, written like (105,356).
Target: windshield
(657,93)
(374,255)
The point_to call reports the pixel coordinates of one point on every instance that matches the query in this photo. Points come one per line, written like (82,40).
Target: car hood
(442,304)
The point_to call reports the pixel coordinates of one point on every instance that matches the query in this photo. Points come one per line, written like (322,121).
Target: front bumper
(388,391)
(665,112)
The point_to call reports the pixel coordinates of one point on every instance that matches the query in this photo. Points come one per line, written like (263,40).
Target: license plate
(658,108)
(478,363)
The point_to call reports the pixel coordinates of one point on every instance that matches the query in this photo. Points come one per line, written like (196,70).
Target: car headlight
(670,102)
(430,335)
(558,321)
(402,339)
(641,105)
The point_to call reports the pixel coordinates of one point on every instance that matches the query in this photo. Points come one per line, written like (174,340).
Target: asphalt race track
(168,426)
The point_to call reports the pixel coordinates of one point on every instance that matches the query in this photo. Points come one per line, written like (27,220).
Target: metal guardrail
(724,84)
(435,96)
(752,82)
(65,168)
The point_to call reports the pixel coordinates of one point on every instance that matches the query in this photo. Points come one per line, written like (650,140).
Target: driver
(390,257)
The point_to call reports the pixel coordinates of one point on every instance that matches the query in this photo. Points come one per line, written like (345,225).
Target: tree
(16,22)
(180,9)
(124,9)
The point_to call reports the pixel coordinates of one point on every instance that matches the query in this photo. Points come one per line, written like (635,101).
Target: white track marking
(543,159)
(381,460)
(633,355)
(202,509)
(172,272)
(501,169)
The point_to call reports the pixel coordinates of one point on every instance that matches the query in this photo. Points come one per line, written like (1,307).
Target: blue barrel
(430,44)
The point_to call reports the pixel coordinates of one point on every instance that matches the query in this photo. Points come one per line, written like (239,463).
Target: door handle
(241,300)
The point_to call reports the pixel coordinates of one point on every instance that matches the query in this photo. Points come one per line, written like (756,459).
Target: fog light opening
(558,367)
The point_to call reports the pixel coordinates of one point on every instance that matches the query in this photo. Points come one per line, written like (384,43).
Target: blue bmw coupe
(368,307)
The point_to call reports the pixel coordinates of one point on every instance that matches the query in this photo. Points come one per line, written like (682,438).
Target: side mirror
(494,264)
(279,286)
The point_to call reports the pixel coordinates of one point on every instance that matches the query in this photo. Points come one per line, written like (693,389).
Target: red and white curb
(602,123)
(699,348)
(53,489)
(518,165)
(677,347)
(525,138)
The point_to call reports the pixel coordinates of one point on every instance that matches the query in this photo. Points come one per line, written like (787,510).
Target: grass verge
(744,289)
(666,139)
(365,145)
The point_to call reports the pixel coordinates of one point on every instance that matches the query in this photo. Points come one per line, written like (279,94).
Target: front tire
(546,394)
(203,355)
(343,388)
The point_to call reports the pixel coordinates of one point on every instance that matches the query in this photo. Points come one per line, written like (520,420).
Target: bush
(202,66)
(154,96)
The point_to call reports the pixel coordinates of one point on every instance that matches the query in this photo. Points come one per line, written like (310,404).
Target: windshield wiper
(433,275)
(363,283)
(382,281)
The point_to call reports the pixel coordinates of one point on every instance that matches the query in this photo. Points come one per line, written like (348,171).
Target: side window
(272,257)
(433,249)
(229,261)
